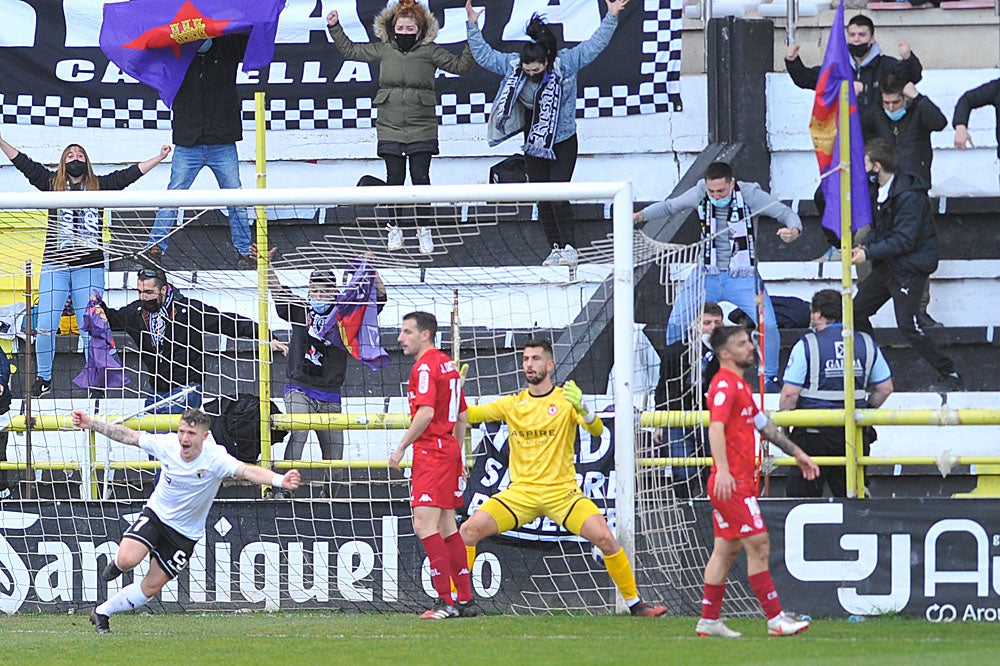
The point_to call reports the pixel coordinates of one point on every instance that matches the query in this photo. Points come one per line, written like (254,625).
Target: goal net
(470,255)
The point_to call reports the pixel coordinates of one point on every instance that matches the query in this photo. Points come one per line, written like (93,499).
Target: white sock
(633,601)
(128,598)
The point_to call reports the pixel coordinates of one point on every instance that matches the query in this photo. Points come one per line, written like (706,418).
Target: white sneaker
(715,628)
(570,257)
(395,237)
(426,240)
(555,257)
(782,625)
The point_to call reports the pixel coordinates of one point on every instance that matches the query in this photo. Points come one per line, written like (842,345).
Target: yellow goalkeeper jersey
(542,433)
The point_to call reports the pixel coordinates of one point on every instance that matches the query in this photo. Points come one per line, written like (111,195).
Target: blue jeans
(54,285)
(188,161)
(741,292)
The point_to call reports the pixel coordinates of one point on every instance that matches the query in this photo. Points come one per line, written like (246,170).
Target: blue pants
(192,399)
(188,161)
(54,285)
(741,292)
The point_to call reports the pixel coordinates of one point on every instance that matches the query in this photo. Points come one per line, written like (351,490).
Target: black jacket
(911,134)
(180,360)
(40,178)
(873,68)
(207,109)
(903,235)
(984,95)
(329,375)
(674,391)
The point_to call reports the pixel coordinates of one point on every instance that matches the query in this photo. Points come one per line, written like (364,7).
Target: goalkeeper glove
(574,395)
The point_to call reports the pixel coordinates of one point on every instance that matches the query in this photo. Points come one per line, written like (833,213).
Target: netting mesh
(342,539)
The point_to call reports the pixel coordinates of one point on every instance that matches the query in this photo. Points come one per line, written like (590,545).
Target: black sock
(111,571)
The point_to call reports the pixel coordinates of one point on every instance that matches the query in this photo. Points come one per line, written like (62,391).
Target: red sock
(711,603)
(763,587)
(437,553)
(459,566)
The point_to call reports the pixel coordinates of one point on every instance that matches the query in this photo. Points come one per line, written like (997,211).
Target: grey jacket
(568,62)
(755,198)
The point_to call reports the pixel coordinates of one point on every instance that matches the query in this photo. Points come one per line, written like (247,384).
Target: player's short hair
(545,345)
(152,274)
(196,418)
(425,321)
(721,336)
(718,170)
(323,277)
(712,308)
(893,84)
(880,151)
(863,21)
(828,304)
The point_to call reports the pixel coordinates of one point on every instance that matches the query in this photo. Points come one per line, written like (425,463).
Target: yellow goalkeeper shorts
(518,505)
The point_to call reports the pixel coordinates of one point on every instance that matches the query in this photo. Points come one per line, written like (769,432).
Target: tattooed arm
(119,433)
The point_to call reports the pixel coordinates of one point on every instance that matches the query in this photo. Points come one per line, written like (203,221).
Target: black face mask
(537,78)
(859,50)
(405,42)
(150,305)
(76,168)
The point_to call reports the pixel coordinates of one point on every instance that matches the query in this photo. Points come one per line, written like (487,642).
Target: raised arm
(349,49)
(485,55)
(264,477)
(8,150)
(584,53)
(146,165)
(118,433)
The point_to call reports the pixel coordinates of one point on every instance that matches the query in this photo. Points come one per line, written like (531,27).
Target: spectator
(73,258)
(169,330)
(407,124)
(985,95)
(726,208)
(902,250)
(868,61)
(906,120)
(814,379)
(538,98)
(316,368)
(207,122)
(683,387)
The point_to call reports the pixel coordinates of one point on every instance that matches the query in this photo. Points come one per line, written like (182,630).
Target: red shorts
(437,478)
(739,516)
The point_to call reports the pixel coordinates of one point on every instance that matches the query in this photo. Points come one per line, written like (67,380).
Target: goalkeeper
(543,421)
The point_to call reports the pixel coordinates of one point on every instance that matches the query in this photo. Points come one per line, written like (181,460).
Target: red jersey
(435,382)
(731,403)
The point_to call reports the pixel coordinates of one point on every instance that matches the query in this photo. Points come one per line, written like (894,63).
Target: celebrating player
(174,517)
(438,420)
(543,421)
(733,489)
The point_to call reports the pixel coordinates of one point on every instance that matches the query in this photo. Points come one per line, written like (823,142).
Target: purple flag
(154,41)
(103,369)
(826,133)
(353,323)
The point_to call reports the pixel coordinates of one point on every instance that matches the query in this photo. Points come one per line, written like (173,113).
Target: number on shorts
(139,523)
(180,560)
(752,505)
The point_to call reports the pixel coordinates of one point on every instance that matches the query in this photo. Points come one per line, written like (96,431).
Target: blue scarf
(542,133)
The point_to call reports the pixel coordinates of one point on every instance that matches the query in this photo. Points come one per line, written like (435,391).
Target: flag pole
(855,476)
(263,330)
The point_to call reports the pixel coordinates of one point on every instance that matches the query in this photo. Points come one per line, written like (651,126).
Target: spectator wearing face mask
(316,368)
(73,259)
(868,62)
(537,99)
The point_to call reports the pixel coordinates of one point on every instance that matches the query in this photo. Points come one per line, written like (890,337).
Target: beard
(537,378)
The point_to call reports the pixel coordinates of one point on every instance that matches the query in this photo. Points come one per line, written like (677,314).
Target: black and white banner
(595,474)
(55,74)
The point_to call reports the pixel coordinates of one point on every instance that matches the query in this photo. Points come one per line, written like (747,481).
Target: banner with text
(54,72)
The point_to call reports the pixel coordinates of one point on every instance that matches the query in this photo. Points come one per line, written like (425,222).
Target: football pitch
(353,639)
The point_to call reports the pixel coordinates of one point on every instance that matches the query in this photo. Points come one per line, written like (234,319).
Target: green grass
(401,640)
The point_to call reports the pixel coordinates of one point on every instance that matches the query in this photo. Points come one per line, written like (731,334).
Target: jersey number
(138,524)
(454,385)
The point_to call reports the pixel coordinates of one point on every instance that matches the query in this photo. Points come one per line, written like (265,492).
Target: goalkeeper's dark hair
(543,46)
(196,418)
(722,335)
(540,342)
(425,321)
